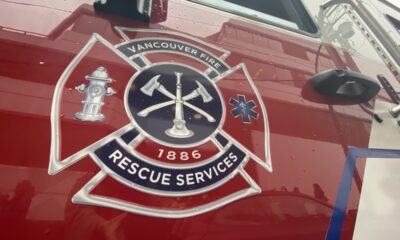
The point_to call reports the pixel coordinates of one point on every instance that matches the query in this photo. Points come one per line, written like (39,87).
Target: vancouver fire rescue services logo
(169,123)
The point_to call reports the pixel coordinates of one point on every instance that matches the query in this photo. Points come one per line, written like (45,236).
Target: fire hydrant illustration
(94,95)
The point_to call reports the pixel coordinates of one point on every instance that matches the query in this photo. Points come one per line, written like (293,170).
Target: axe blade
(202,91)
(150,86)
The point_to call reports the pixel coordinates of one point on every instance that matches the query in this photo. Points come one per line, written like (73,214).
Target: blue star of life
(243,108)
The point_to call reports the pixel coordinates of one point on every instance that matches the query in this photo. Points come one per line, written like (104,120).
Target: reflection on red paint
(309,137)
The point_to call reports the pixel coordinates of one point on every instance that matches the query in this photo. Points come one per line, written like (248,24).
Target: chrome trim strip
(84,196)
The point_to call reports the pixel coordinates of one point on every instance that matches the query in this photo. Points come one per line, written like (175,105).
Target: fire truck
(199,119)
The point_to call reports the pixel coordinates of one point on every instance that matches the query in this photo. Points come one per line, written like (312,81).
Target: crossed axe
(153,85)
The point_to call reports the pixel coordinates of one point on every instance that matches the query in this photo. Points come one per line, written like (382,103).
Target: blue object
(243,108)
(339,211)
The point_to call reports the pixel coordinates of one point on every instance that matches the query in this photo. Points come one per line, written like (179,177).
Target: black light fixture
(345,84)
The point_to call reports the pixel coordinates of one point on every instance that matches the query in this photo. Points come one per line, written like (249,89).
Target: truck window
(288,14)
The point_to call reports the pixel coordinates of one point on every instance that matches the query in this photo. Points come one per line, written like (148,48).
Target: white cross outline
(83,196)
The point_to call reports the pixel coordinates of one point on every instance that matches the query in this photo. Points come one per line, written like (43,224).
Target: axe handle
(200,111)
(150,109)
(190,96)
(164,91)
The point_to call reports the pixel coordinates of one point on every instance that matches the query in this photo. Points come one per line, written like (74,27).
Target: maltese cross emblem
(164,123)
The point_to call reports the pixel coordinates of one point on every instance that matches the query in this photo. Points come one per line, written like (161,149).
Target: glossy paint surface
(309,135)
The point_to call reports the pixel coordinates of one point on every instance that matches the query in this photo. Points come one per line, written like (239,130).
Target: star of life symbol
(243,108)
(167,129)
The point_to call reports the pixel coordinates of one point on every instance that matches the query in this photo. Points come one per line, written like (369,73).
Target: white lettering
(166,178)
(187,49)
(189,179)
(179,180)
(219,167)
(164,45)
(215,171)
(208,173)
(124,163)
(227,162)
(172,45)
(233,157)
(180,47)
(133,168)
(140,47)
(141,176)
(116,155)
(155,180)
(148,45)
(199,177)
(194,52)
(132,49)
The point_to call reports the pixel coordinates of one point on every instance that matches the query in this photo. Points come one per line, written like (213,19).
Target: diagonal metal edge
(230,71)
(84,196)
(267,164)
(121,30)
(60,165)
(56,164)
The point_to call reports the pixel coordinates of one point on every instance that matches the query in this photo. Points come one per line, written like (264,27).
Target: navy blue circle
(157,122)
